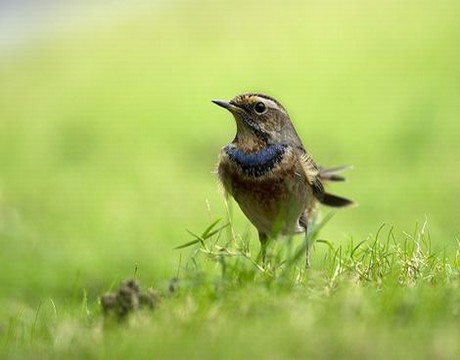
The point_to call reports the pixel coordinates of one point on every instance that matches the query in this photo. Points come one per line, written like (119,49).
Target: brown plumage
(269,173)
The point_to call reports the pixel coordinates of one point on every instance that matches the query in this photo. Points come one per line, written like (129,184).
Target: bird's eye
(260,107)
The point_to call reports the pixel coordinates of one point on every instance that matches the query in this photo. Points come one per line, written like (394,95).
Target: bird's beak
(222,103)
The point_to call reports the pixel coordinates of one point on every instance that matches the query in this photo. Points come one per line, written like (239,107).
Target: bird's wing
(312,173)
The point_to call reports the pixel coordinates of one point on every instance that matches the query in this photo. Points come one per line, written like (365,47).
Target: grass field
(108,143)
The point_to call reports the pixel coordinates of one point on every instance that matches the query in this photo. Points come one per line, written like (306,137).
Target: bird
(269,173)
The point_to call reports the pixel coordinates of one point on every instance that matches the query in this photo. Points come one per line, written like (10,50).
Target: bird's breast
(258,163)
(270,165)
(266,184)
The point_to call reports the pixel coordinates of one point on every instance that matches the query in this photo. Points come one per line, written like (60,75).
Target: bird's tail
(332,174)
(335,201)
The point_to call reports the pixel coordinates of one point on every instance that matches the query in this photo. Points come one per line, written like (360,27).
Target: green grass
(108,143)
(383,297)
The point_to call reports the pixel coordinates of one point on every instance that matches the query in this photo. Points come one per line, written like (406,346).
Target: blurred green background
(108,138)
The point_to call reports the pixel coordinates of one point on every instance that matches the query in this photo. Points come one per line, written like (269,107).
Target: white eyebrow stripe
(271,104)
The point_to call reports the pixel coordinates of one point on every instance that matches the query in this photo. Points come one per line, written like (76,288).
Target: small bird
(269,173)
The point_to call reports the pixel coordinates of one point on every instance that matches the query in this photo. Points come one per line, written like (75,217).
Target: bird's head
(260,120)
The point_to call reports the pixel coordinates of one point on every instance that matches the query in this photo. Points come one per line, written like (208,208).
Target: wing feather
(312,173)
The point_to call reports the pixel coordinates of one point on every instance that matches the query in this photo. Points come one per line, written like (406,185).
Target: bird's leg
(307,249)
(263,238)
(303,221)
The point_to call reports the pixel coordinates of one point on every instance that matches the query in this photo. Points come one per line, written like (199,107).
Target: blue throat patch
(258,163)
